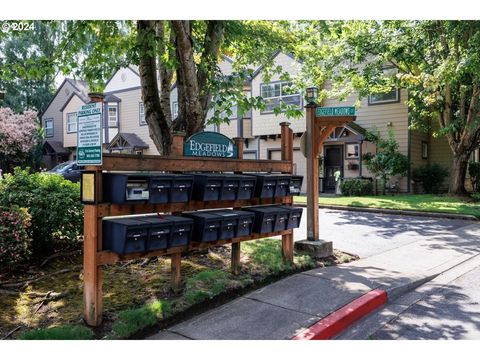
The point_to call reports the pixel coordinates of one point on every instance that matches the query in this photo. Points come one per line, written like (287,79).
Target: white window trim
(377,102)
(112,106)
(174,111)
(346,151)
(75,123)
(281,96)
(46,129)
(142,108)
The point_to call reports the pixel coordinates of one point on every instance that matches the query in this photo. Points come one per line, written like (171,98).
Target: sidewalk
(283,309)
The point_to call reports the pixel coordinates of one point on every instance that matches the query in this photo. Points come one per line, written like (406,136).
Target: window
(424,150)
(391,96)
(141,114)
(71,122)
(174,110)
(112,115)
(352,151)
(277,92)
(48,126)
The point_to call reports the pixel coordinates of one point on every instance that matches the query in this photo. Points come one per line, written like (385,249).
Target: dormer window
(279,91)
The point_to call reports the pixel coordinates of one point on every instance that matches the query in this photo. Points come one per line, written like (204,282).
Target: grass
(67,332)
(428,203)
(136,294)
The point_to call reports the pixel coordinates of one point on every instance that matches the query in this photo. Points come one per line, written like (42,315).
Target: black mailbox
(125,188)
(281,221)
(245,222)
(230,187)
(160,231)
(296,185)
(207,187)
(125,235)
(181,231)
(265,218)
(265,186)
(282,187)
(229,224)
(246,186)
(170,188)
(295,216)
(206,226)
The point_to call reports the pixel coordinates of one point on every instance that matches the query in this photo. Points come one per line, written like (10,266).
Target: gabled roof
(55,147)
(132,68)
(71,97)
(79,86)
(111,98)
(127,141)
(278,52)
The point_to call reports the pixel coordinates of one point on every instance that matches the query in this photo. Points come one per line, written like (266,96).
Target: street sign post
(89,134)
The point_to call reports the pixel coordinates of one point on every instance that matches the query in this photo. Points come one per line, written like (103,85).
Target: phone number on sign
(17,26)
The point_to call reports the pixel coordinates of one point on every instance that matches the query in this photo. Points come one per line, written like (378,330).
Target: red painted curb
(339,320)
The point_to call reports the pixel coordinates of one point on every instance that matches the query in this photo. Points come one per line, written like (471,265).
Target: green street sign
(89,134)
(210,144)
(335,111)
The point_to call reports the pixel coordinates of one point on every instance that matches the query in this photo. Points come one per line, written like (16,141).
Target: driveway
(367,234)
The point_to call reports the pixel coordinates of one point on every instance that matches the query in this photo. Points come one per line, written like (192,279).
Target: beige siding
(266,124)
(70,139)
(124,78)
(53,111)
(130,118)
(247,128)
(230,129)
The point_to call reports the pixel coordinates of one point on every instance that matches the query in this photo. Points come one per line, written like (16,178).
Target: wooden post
(177,143)
(312,175)
(236,265)
(176,280)
(287,154)
(92,244)
(176,258)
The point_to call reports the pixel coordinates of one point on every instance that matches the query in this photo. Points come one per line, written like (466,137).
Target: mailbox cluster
(139,234)
(177,188)
(126,235)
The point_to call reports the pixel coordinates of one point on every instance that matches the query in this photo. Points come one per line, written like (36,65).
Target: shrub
(431,176)
(53,202)
(15,240)
(474,172)
(357,187)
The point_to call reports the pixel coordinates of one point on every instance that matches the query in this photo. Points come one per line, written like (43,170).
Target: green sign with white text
(89,134)
(335,111)
(210,144)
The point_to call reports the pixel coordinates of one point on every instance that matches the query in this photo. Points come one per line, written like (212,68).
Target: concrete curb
(397,212)
(339,320)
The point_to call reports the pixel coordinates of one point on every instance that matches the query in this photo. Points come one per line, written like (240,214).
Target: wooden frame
(94,257)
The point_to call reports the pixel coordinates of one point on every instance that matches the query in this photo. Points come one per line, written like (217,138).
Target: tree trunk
(159,129)
(458,174)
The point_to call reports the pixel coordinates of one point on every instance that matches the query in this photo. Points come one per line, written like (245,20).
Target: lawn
(429,203)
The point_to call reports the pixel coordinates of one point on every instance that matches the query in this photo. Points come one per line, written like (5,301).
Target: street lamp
(311,95)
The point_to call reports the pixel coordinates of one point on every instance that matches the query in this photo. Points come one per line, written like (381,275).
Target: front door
(333,158)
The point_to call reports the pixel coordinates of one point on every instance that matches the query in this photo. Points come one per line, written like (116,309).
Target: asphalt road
(367,234)
(451,312)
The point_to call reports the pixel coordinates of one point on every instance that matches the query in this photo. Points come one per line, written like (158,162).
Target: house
(125,128)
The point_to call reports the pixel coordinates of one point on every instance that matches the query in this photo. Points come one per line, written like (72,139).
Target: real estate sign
(89,134)
(210,144)
(335,111)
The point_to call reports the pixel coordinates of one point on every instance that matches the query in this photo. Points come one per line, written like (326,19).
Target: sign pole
(312,175)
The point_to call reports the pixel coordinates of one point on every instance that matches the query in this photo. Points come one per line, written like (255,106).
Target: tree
(18,137)
(436,61)
(387,161)
(26,84)
(185,52)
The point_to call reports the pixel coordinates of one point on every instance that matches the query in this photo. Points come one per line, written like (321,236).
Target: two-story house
(125,129)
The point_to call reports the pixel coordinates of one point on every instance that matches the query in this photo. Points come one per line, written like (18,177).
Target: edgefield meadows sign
(89,134)
(210,144)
